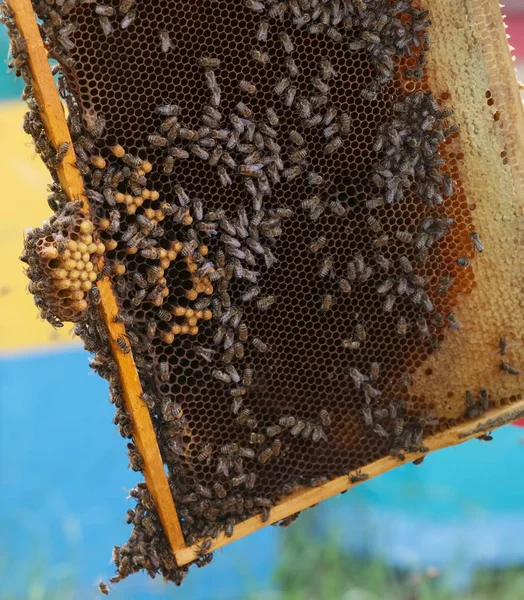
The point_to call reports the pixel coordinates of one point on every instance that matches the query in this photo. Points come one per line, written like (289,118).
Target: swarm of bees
(267,288)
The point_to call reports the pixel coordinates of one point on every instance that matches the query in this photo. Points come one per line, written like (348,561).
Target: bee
(165,41)
(281,86)
(326,69)
(103,588)
(265,456)
(334,145)
(208,62)
(242,332)
(484,399)
(350,344)
(344,285)
(402,326)
(357,376)
(256,438)
(204,547)
(125,6)
(296,138)
(266,302)
(360,332)
(61,151)
(128,19)
(95,295)
(405,264)
(261,57)
(168,110)
(358,477)
(475,238)
(247,87)
(374,372)
(326,268)
(463,261)
(327,303)
(262,31)
(325,417)
(422,327)
(380,431)
(287,44)
(404,236)
(453,321)
(444,284)
(164,369)
(213,86)
(502,346)
(273,430)
(506,367)
(286,421)
(297,428)
(247,378)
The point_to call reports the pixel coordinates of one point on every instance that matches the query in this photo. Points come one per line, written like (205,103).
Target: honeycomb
(278,197)
(62,257)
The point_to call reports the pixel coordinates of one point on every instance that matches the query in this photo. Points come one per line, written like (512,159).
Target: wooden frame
(490,68)
(53,118)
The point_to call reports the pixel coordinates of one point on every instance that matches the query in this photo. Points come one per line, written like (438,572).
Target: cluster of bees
(62,259)
(182,269)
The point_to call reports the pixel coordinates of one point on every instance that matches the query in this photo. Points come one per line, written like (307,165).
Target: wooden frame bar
(493,57)
(307,497)
(53,118)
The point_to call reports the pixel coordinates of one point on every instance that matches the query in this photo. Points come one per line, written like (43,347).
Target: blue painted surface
(64,479)
(10,86)
(64,476)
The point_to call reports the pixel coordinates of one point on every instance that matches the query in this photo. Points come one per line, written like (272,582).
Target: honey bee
(318,481)
(350,344)
(256,438)
(484,399)
(261,57)
(281,86)
(128,19)
(165,41)
(326,268)
(286,421)
(453,321)
(247,87)
(334,34)
(262,31)
(296,138)
(463,261)
(360,332)
(273,430)
(125,6)
(332,146)
(95,295)
(208,62)
(327,303)
(103,588)
(504,366)
(164,369)
(475,238)
(325,417)
(265,456)
(264,303)
(286,42)
(358,477)
(247,378)
(380,431)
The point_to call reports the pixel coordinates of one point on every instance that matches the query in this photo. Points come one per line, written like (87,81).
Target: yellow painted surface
(24,180)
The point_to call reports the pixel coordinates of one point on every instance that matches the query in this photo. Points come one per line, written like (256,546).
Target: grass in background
(317,568)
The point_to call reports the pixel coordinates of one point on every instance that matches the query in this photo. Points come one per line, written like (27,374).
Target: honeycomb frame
(505,176)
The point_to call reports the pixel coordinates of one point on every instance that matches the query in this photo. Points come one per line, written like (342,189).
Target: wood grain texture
(52,111)
(53,118)
(307,497)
